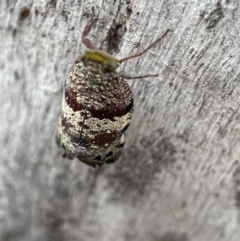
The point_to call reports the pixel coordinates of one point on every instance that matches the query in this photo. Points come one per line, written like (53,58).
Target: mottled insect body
(96,111)
(97,106)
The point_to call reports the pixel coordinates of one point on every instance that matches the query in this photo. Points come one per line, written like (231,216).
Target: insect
(97,105)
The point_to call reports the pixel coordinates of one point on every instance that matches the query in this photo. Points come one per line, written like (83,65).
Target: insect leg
(145,50)
(86,31)
(138,77)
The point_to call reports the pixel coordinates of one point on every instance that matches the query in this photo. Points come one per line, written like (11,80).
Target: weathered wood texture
(179,176)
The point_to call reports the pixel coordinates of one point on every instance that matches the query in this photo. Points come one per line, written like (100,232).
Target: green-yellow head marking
(110,62)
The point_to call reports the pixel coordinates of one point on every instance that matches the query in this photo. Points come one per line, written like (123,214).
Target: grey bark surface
(178,178)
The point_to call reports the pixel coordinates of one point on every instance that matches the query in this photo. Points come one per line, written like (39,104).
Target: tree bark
(178,178)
